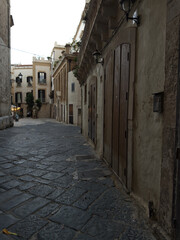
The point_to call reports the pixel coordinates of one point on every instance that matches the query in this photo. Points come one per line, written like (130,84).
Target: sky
(38,24)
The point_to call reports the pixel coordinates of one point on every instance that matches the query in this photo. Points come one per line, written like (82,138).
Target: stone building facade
(5,23)
(42,84)
(130,100)
(67,93)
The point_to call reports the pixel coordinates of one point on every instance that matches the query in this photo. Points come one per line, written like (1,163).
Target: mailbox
(158,99)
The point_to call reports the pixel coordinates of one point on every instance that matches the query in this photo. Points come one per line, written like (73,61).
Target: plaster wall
(4,59)
(41,66)
(169,131)
(24,88)
(150,77)
(74,97)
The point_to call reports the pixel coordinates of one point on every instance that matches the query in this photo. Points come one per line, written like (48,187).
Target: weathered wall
(74,97)
(44,111)
(169,130)
(150,64)
(98,73)
(4,58)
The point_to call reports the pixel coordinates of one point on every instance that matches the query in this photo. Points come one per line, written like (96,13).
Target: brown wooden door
(92,112)
(116,103)
(123,112)
(120,111)
(108,93)
(71,113)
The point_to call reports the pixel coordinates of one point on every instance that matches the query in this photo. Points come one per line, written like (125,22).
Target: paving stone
(38,173)
(54,231)
(3,237)
(5,196)
(26,185)
(10,184)
(41,166)
(7,165)
(4,179)
(70,196)
(47,157)
(94,174)
(81,236)
(137,234)
(30,207)
(27,178)
(27,227)
(43,181)
(71,217)
(64,181)
(47,210)
(7,220)
(36,159)
(41,190)
(52,175)
(103,229)
(22,171)
(15,201)
(20,161)
(56,193)
(2,174)
(2,190)
(91,186)
(87,199)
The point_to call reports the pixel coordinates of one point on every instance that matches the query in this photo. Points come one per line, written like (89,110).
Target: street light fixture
(126,7)
(98,57)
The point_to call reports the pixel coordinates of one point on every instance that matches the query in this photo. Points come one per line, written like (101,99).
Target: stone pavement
(52,187)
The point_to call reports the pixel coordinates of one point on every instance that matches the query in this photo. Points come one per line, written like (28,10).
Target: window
(72,87)
(41,95)
(29,81)
(18,97)
(41,77)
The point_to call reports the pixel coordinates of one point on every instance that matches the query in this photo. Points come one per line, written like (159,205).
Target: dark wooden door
(92,112)
(108,97)
(116,103)
(123,112)
(120,111)
(71,113)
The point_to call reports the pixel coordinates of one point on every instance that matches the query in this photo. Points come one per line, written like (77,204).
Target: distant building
(33,78)
(42,84)
(67,95)
(6,22)
(21,85)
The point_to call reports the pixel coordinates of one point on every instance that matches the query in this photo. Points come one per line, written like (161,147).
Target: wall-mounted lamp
(20,76)
(98,57)
(126,7)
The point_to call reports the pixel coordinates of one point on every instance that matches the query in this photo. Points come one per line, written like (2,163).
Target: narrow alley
(53,188)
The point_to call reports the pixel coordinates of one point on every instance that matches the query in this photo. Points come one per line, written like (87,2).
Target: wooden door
(92,112)
(120,111)
(116,103)
(108,94)
(71,113)
(123,112)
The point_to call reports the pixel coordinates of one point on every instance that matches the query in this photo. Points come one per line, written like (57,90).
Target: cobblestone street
(53,187)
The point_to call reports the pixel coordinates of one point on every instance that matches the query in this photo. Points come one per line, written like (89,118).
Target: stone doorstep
(6,121)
